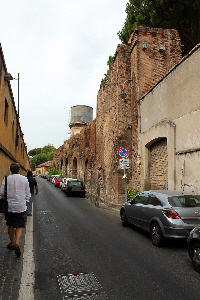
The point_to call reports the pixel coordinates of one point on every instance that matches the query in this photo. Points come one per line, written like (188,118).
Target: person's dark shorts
(16,220)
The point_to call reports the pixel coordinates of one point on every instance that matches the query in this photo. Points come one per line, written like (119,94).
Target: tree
(53,171)
(49,148)
(183,15)
(37,160)
(35,151)
(41,155)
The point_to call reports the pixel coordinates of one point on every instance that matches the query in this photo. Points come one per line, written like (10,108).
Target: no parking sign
(123,152)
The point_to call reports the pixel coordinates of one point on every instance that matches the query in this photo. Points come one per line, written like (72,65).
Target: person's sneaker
(11,247)
(17,250)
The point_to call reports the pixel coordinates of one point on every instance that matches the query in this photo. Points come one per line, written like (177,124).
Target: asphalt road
(72,236)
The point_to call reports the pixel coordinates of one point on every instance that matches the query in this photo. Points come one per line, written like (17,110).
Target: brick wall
(148,56)
(76,158)
(138,66)
(113,119)
(158,165)
(154,51)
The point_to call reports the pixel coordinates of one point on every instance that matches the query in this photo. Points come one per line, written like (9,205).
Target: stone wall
(114,118)
(148,56)
(137,67)
(76,158)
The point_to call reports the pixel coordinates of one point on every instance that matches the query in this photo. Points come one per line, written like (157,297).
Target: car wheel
(195,256)
(83,195)
(124,219)
(156,235)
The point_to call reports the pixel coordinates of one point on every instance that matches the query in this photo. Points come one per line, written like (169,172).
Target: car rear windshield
(59,179)
(78,183)
(185,201)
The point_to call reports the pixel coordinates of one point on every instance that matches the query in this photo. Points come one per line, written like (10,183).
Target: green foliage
(38,159)
(41,155)
(110,60)
(50,155)
(35,151)
(103,81)
(132,193)
(182,15)
(53,171)
(48,149)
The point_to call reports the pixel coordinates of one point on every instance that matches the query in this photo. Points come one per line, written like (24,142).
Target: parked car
(193,244)
(75,187)
(57,181)
(164,214)
(53,178)
(64,183)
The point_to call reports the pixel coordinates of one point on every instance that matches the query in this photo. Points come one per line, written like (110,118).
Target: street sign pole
(125,184)
(123,153)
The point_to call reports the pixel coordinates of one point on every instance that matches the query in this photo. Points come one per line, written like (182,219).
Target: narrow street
(72,236)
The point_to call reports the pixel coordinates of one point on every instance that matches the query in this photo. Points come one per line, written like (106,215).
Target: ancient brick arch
(158,165)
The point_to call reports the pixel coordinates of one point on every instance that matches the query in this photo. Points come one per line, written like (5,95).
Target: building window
(13,130)
(6,112)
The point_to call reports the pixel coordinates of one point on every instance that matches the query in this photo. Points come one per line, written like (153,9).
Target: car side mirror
(132,201)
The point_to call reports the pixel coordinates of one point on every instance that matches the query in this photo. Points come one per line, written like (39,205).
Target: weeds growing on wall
(132,193)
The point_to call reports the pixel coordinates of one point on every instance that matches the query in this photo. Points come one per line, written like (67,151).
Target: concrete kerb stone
(28,274)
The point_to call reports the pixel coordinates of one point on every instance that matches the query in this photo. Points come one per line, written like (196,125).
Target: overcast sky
(60,48)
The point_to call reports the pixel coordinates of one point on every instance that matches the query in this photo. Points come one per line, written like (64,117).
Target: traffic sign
(123,152)
(124,163)
(99,172)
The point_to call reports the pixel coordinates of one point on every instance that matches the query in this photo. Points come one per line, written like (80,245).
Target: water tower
(81,115)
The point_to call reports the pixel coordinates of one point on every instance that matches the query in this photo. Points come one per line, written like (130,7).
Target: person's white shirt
(18,192)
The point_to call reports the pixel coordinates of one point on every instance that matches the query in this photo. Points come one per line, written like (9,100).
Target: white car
(54,178)
(62,182)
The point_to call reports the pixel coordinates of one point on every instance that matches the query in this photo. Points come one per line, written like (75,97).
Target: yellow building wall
(12,145)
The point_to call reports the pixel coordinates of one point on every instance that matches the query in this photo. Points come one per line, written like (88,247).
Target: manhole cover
(80,286)
(88,297)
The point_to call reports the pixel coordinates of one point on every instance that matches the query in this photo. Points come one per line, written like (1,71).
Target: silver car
(164,214)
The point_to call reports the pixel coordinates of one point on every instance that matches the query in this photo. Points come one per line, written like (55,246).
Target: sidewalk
(10,266)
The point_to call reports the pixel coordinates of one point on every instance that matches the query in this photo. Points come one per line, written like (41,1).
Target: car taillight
(172,214)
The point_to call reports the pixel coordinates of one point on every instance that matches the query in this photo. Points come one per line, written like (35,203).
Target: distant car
(53,178)
(164,214)
(75,187)
(62,182)
(57,181)
(193,244)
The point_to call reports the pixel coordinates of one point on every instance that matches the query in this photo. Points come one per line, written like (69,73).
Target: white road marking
(26,291)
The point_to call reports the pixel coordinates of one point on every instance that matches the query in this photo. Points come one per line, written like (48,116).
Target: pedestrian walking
(33,186)
(18,195)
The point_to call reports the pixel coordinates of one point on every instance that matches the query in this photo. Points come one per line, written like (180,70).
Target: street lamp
(8,77)
(123,95)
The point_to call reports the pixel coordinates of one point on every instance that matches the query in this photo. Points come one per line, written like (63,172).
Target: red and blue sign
(123,152)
